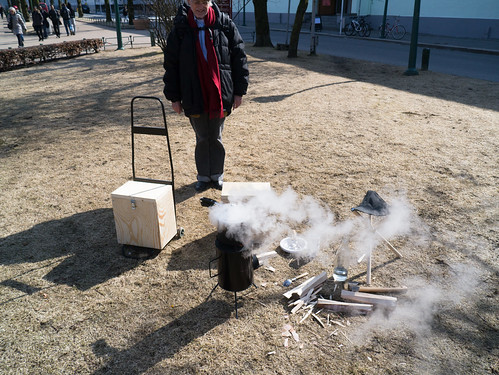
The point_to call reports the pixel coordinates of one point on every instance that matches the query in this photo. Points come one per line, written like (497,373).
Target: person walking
(206,76)
(72,19)
(18,25)
(125,14)
(38,22)
(45,24)
(1,10)
(66,17)
(54,17)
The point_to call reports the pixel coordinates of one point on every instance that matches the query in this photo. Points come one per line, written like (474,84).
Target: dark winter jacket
(37,18)
(65,14)
(181,73)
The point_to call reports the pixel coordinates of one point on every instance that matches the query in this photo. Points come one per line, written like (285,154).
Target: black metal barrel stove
(235,263)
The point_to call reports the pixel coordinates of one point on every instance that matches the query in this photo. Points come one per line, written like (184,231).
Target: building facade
(461,18)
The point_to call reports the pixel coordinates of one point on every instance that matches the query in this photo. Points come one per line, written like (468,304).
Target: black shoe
(218,185)
(202,186)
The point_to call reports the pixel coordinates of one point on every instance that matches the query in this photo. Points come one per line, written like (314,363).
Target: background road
(461,57)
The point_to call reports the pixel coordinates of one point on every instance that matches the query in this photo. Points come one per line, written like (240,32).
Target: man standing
(206,75)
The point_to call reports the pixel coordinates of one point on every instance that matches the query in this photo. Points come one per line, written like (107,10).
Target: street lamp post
(118,24)
(383,25)
(411,69)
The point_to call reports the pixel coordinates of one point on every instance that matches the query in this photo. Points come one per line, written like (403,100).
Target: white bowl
(293,245)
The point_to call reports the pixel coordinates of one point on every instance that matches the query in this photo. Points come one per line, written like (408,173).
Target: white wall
(484,9)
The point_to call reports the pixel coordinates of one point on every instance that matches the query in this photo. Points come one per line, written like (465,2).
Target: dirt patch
(328,128)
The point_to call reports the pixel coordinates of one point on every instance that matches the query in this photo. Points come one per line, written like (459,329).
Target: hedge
(21,57)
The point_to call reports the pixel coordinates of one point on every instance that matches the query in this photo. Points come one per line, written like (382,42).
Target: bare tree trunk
(79,9)
(108,11)
(262,28)
(131,12)
(295,33)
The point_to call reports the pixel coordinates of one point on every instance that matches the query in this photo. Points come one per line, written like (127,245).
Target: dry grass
(330,128)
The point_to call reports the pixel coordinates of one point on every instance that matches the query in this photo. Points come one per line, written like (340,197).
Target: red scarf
(208,71)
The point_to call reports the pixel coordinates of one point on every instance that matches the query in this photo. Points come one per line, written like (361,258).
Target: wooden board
(368,298)
(144,214)
(242,190)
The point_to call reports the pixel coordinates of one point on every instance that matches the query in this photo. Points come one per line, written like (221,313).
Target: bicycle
(358,26)
(397,31)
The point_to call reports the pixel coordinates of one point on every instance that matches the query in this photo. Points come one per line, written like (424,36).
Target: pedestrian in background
(45,24)
(72,19)
(66,17)
(38,22)
(1,10)
(18,25)
(54,17)
(206,75)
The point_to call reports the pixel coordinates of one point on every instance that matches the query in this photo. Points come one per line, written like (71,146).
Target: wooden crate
(144,214)
(242,190)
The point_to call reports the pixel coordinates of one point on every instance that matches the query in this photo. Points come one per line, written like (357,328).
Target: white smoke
(267,218)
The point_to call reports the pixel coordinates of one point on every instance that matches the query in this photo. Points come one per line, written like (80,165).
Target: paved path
(84,29)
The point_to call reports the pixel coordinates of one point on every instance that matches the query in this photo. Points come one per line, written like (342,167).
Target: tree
(295,33)
(24,10)
(262,28)
(108,11)
(131,11)
(164,12)
(79,9)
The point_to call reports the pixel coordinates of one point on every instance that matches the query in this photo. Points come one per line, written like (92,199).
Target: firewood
(306,316)
(368,298)
(297,307)
(344,306)
(318,320)
(374,289)
(303,288)
(264,256)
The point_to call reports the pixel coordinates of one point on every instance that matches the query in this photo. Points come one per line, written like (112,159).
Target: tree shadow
(86,242)
(278,98)
(164,342)
(462,90)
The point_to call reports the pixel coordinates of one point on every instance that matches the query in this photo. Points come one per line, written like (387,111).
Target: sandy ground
(322,131)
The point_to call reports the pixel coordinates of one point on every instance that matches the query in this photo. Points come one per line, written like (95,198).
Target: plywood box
(242,190)
(144,214)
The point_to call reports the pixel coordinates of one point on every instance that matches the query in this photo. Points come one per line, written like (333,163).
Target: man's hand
(177,107)
(237,101)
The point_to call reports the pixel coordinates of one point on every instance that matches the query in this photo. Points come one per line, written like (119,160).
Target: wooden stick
(303,288)
(369,298)
(318,319)
(264,256)
(343,306)
(375,289)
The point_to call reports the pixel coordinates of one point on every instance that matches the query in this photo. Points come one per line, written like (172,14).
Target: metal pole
(118,24)
(244,12)
(341,16)
(383,25)
(312,33)
(287,26)
(411,69)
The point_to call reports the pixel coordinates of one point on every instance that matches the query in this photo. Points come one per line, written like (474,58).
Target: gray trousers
(210,151)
